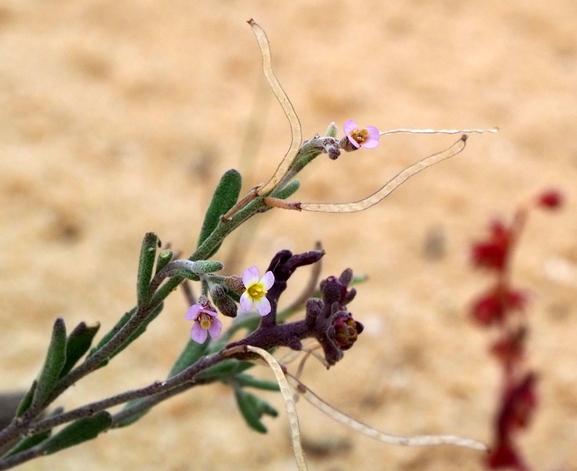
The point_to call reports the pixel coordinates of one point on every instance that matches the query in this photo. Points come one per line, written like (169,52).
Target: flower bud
(347,331)
(222,301)
(332,130)
(235,283)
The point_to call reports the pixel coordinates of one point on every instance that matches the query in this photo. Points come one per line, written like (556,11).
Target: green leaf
(26,401)
(77,344)
(287,191)
(248,410)
(207,266)
(123,320)
(138,332)
(145,268)
(55,360)
(224,370)
(191,353)
(245,380)
(224,198)
(134,417)
(77,432)
(253,408)
(28,442)
(191,270)
(164,258)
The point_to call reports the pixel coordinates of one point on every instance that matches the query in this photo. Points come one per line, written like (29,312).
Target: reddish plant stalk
(502,309)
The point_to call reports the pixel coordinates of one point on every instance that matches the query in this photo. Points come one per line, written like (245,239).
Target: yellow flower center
(256,291)
(360,135)
(205,320)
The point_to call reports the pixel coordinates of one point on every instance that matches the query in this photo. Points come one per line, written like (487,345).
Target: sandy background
(118,117)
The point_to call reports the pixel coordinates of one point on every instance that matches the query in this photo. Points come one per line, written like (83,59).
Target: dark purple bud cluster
(333,326)
(327,319)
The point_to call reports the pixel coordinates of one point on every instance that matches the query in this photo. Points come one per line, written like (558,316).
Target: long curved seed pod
(287,107)
(438,131)
(417,440)
(389,187)
(289,404)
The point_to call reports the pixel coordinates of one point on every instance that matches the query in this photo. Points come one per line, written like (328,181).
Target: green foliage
(207,266)
(224,370)
(77,345)
(77,432)
(164,258)
(191,353)
(136,416)
(53,365)
(287,191)
(245,380)
(123,320)
(146,268)
(28,442)
(223,199)
(253,408)
(26,401)
(137,333)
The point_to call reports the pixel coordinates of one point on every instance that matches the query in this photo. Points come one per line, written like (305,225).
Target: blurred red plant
(502,307)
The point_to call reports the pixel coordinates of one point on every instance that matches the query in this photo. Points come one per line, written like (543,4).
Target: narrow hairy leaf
(77,432)
(27,399)
(134,417)
(287,191)
(225,196)
(138,332)
(189,269)
(145,268)
(123,320)
(206,266)
(224,370)
(77,344)
(164,258)
(191,353)
(245,380)
(28,442)
(55,360)
(249,410)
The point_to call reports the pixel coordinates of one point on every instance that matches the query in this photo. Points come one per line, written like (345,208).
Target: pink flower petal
(245,302)
(349,126)
(263,306)
(198,334)
(352,141)
(373,138)
(250,276)
(268,280)
(215,329)
(193,312)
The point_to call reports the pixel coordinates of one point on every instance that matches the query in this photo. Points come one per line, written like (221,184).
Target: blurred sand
(118,117)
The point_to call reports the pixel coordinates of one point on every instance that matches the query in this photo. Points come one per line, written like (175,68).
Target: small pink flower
(205,322)
(256,289)
(367,137)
